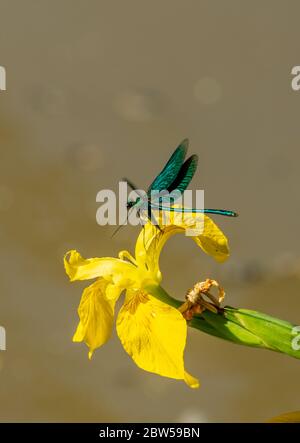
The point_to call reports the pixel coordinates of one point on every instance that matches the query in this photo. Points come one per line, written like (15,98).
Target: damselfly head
(137,203)
(130,204)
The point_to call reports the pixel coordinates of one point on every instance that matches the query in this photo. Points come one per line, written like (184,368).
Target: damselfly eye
(130,204)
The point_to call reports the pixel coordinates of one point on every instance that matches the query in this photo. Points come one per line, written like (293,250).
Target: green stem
(242,326)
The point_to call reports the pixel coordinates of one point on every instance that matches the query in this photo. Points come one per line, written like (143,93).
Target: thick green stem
(242,326)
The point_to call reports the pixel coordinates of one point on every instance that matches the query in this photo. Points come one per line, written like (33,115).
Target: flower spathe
(151,332)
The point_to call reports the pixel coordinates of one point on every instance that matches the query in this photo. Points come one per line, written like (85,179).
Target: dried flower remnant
(198,299)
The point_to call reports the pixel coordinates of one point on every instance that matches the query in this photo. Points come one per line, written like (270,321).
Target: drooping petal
(154,335)
(79,268)
(200,228)
(96,313)
(191,381)
(213,241)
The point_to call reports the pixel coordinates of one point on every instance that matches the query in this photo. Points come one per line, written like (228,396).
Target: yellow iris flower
(152,332)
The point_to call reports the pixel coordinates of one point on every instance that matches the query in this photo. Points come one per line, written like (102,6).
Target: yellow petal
(154,335)
(191,381)
(151,239)
(213,241)
(96,313)
(289,417)
(79,268)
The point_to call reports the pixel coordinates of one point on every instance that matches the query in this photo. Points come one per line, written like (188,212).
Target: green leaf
(220,326)
(275,334)
(242,326)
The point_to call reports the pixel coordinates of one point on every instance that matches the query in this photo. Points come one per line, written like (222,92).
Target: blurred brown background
(101,89)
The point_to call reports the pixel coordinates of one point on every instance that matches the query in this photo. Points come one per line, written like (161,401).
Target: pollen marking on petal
(137,297)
